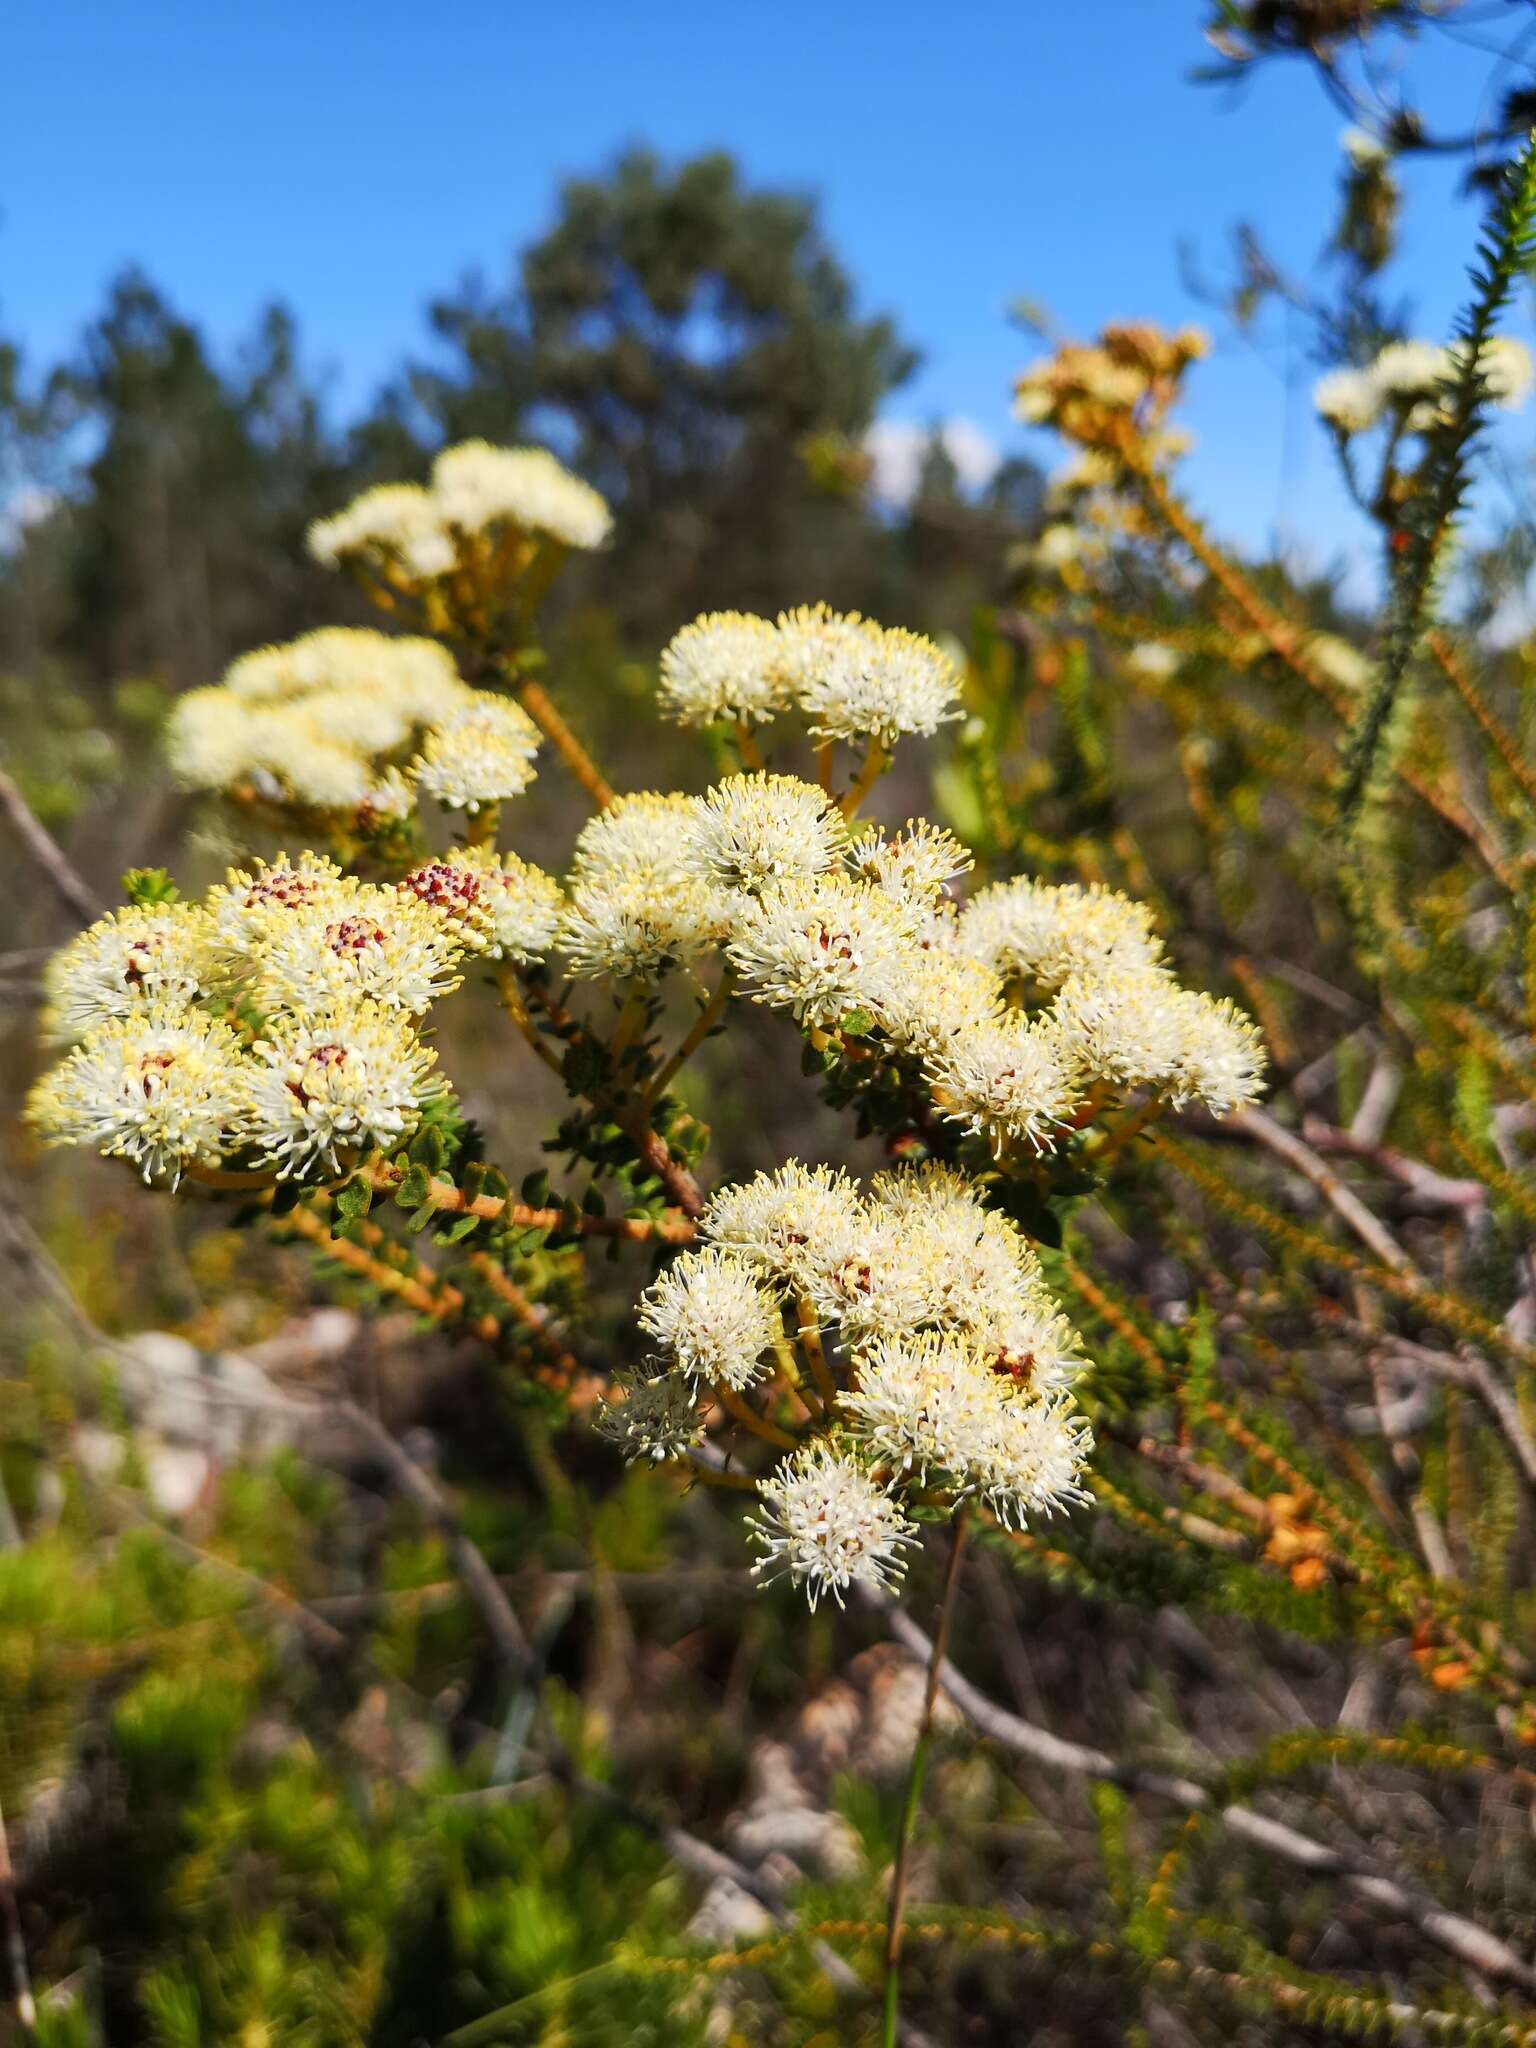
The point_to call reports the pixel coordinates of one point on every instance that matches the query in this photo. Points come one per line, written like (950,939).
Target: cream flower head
(829,1526)
(1046,931)
(480,755)
(712,1317)
(394,526)
(789,1224)
(163,1088)
(161,957)
(861,681)
(656,1418)
(725,665)
(752,831)
(1013,1082)
(476,485)
(335,1083)
(821,947)
(628,923)
(363,942)
(495,903)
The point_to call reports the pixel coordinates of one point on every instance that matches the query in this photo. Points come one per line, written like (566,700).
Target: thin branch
(46,854)
(1435,1190)
(1443,478)
(901,1871)
(1503,743)
(283,1603)
(480,1582)
(700,1860)
(1465,1939)
(1374,1234)
(15,1943)
(674,1226)
(1467,1366)
(540,707)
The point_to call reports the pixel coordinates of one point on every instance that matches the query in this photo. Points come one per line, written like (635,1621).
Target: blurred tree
(952,553)
(688,343)
(170,536)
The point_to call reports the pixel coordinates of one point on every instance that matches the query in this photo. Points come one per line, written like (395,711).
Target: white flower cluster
(335,720)
(849,678)
(942,1361)
(275,1026)
(1404,384)
(1015,1008)
(477,493)
(317,721)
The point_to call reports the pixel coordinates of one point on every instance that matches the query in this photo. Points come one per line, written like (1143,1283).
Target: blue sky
(354,156)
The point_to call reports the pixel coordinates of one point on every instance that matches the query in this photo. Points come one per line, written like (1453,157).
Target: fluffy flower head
(497,904)
(822,947)
(827,1524)
(1033,1463)
(341,1081)
(915,864)
(393,525)
(1127,1027)
(712,1317)
(656,1418)
(751,831)
(626,923)
(1349,400)
(164,1088)
(362,942)
(789,1224)
(248,902)
(861,681)
(1012,1081)
(646,830)
(135,959)
(479,755)
(475,485)
(1046,931)
(725,665)
(925,1405)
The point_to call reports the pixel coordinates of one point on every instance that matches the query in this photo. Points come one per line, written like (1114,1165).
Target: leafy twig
(1444,476)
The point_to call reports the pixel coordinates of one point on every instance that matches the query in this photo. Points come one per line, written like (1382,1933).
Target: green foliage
(1445,476)
(305,1800)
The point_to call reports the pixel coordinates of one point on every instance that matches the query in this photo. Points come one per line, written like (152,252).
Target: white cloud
(897,448)
(1512,622)
(28,506)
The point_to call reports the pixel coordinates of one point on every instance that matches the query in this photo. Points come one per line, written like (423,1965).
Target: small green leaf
(149,888)
(354,1200)
(415,1191)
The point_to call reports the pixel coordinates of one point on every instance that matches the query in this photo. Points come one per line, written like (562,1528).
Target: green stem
(1129,1127)
(789,1365)
(512,1002)
(628,1028)
(809,1334)
(876,761)
(703,1024)
(1443,476)
(902,1869)
(481,826)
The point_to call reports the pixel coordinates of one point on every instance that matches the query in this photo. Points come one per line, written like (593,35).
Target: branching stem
(702,1025)
(901,1872)
(540,707)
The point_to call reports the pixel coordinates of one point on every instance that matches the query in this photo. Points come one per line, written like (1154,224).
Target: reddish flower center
(282,887)
(444,885)
(354,935)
